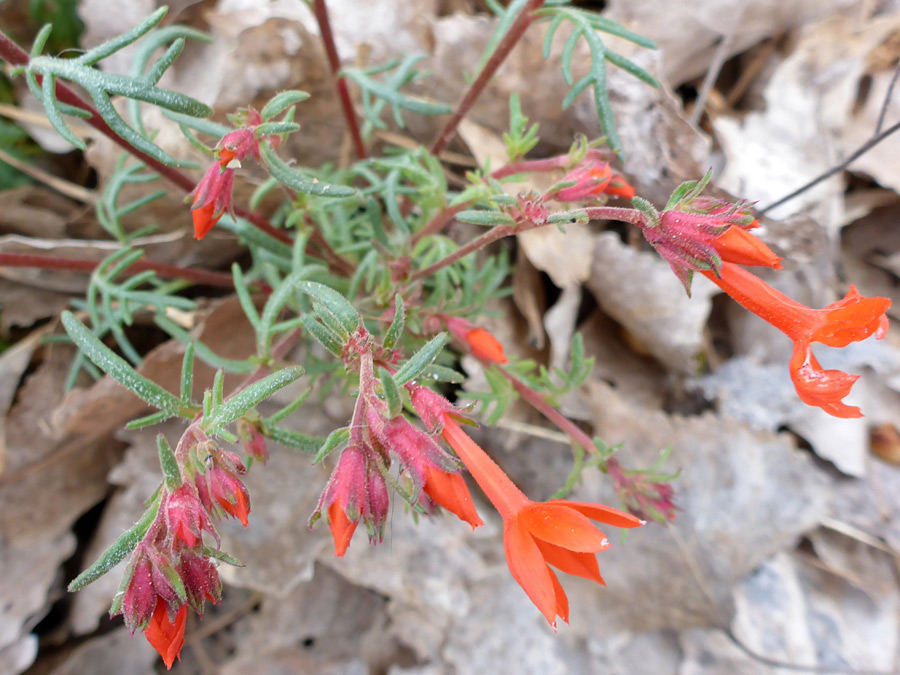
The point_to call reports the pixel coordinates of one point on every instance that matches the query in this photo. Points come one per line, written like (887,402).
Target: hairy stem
(619,213)
(320,9)
(539,403)
(163,270)
(488,237)
(515,32)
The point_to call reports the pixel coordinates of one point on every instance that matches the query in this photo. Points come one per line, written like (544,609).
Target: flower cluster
(170,568)
(711,236)
(212,196)
(536,535)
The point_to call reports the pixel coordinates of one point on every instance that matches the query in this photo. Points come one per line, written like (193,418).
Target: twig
(539,403)
(856,154)
(887,99)
(320,9)
(488,237)
(64,187)
(715,67)
(512,36)
(164,270)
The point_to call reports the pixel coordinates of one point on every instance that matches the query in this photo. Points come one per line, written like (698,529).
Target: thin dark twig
(512,36)
(856,154)
(320,10)
(887,99)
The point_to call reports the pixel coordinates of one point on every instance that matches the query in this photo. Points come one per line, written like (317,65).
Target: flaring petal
(582,565)
(527,566)
(562,525)
(602,513)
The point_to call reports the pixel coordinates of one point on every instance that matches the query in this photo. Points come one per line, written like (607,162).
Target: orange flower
(591,180)
(167,637)
(449,491)
(539,534)
(483,345)
(851,319)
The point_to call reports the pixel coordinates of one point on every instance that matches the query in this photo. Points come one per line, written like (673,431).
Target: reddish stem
(164,270)
(492,235)
(539,403)
(619,213)
(515,32)
(320,9)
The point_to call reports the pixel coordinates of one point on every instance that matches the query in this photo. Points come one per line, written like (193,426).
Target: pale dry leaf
(116,653)
(13,363)
(688,33)
(639,291)
(809,101)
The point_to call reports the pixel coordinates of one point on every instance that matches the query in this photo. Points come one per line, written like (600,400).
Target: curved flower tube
(539,534)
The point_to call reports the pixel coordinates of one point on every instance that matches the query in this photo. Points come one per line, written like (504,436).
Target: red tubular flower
(431,468)
(593,179)
(211,197)
(483,345)
(166,636)
(851,319)
(539,534)
(356,490)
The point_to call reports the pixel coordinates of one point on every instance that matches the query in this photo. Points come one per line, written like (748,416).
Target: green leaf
(150,420)
(647,209)
(299,181)
(421,359)
(252,396)
(335,438)
(391,391)
(170,469)
(332,303)
(437,373)
(395,330)
(481,217)
(119,369)
(281,102)
(294,439)
(323,335)
(275,128)
(123,546)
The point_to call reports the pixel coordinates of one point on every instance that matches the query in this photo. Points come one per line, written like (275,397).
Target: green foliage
(378,93)
(102,85)
(585,26)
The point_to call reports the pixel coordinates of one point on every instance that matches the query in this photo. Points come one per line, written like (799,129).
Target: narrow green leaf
(421,359)
(281,102)
(119,369)
(170,469)
(392,395)
(335,438)
(187,373)
(221,555)
(150,420)
(124,545)
(437,373)
(333,302)
(297,180)
(218,388)
(253,395)
(481,217)
(294,439)
(273,128)
(324,335)
(395,330)
(288,409)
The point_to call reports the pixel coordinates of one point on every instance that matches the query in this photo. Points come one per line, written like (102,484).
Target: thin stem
(856,154)
(163,270)
(539,403)
(488,237)
(515,32)
(320,9)
(619,213)
(437,223)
